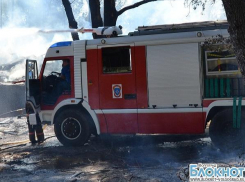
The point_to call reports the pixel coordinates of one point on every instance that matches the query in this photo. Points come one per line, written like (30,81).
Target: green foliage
(218,43)
(198,3)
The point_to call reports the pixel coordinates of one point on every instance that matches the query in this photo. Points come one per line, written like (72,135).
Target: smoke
(18,44)
(21,22)
(28,30)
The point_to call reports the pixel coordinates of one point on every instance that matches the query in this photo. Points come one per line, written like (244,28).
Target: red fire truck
(156,80)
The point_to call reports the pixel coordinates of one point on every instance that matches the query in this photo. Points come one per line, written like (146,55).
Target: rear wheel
(222,133)
(71,128)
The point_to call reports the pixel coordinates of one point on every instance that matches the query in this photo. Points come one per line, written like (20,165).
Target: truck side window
(116,60)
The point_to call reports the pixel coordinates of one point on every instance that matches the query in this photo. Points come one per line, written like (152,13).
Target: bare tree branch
(133,6)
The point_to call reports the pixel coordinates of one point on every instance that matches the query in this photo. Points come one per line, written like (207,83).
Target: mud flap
(234,112)
(237,112)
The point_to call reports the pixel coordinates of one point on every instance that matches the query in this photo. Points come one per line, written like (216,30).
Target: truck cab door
(32,83)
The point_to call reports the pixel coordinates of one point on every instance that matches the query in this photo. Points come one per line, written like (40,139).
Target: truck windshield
(52,66)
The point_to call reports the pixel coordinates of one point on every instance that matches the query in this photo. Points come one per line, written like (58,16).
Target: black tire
(71,128)
(222,133)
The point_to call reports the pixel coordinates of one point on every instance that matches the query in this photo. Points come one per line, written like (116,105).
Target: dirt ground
(116,158)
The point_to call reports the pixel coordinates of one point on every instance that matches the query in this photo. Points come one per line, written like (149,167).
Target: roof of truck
(166,34)
(183,27)
(160,34)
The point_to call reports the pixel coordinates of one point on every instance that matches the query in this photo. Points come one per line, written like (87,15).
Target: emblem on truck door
(116,91)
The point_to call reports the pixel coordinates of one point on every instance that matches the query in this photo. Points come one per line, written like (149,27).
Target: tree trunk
(94,6)
(236,18)
(70,17)
(110,13)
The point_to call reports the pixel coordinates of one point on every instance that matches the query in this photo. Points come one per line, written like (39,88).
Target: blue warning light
(61,44)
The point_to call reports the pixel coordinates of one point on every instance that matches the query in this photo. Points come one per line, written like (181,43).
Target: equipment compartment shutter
(79,54)
(173,75)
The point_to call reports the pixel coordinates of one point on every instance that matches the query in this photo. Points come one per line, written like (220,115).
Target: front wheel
(71,128)
(222,133)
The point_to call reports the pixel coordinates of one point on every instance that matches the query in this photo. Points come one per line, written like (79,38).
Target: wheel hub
(71,128)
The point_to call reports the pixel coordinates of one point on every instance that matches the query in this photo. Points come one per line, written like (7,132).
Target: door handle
(90,83)
(130,96)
